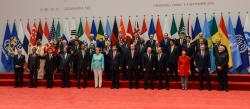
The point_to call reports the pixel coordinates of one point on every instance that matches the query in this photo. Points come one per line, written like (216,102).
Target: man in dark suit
(173,60)
(161,67)
(203,66)
(201,41)
(124,54)
(82,66)
(151,43)
(64,67)
(50,67)
(148,65)
(19,61)
(164,44)
(180,42)
(132,66)
(222,67)
(115,65)
(107,49)
(33,65)
(91,52)
(190,50)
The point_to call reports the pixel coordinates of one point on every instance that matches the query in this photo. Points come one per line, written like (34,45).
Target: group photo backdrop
(72,11)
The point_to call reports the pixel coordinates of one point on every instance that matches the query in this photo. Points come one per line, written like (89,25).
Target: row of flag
(236,39)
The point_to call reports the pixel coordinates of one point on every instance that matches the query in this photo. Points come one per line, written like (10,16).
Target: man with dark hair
(173,59)
(161,67)
(19,61)
(64,67)
(82,66)
(33,65)
(50,67)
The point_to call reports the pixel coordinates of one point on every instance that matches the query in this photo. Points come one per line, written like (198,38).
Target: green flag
(100,33)
(80,29)
(173,30)
(58,30)
(182,27)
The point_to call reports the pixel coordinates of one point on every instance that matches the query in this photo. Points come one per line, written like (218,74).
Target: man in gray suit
(64,67)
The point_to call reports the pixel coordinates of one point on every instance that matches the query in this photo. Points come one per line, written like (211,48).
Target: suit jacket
(36,63)
(190,50)
(148,63)
(19,61)
(222,61)
(161,63)
(173,56)
(149,44)
(203,62)
(50,64)
(64,62)
(164,44)
(90,52)
(132,62)
(82,62)
(115,61)
(178,42)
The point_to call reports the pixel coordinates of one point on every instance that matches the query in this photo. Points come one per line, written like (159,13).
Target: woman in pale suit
(97,66)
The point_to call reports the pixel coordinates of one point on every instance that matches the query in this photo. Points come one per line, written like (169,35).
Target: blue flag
(151,27)
(14,37)
(52,31)
(207,35)
(93,29)
(197,28)
(7,50)
(234,47)
(108,29)
(241,42)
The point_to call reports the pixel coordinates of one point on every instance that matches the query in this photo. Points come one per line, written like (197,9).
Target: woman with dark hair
(184,69)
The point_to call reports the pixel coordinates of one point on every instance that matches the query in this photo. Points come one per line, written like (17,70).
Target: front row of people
(152,64)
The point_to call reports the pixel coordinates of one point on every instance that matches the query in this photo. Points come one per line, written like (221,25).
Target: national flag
(129,32)
(241,42)
(22,37)
(122,29)
(73,28)
(207,35)
(58,30)
(247,35)
(26,38)
(197,29)
(100,33)
(235,48)
(182,28)
(166,28)
(189,27)
(108,29)
(173,31)
(159,33)
(151,28)
(115,33)
(7,50)
(136,28)
(66,31)
(93,29)
(222,35)
(52,31)
(86,31)
(46,37)
(80,30)
(144,29)
(39,32)
(33,35)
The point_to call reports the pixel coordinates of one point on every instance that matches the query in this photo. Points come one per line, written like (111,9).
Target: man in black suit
(151,43)
(82,66)
(124,49)
(222,67)
(201,41)
(190,50)
(180,42)
(33,65)
(148,66)
(115,65)
(107,49)
(132,66)
(19,61)
(64,67)
(164,44)
(203,66)
(173,59)
(161,67)
(91,52)
(50,67)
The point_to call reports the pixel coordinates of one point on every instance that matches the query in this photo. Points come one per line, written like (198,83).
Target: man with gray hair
(19,61)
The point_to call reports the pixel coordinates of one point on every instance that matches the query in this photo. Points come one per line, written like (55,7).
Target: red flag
(122,29)
(159,31)
(39,31)
(33,35)
(144,26)
(46,30)
(114,33)
(129,31)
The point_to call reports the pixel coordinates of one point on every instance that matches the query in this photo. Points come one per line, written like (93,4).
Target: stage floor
(123,98)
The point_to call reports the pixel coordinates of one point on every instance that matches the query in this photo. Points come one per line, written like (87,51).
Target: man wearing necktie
(49,67)
(115,66)
(33,65)
(151,43)
(19,61)
(173,59)
(164,44)
(64,67)
(161,67)
(107,49)
(148,65)
(190,50)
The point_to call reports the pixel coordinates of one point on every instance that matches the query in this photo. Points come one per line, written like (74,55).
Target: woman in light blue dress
(97,66)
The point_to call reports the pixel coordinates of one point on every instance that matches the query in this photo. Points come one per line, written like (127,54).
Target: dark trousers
(133,77)
(49,78)
(163,75)
(107,71)
(149,77)
(82,74)
(124,73)
(18,77)
(65,77)
(173,71)
(33,77)
(223,79)
(204,75)
(115,78)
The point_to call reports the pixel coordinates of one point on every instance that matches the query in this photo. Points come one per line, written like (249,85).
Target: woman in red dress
(184,69)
